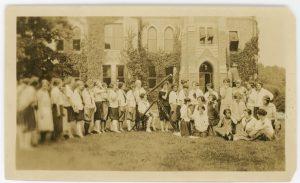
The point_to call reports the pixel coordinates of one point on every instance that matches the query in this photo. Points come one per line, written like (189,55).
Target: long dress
(164,114)
(44,112)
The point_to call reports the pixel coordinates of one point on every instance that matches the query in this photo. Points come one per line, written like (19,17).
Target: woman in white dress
(44,112)
(201,120)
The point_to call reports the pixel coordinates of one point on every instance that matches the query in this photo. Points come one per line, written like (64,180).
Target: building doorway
(205,75)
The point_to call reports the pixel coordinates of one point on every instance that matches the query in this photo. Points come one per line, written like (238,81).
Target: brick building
(206,43)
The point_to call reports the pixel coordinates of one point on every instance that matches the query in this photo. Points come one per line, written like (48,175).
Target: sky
(272,40)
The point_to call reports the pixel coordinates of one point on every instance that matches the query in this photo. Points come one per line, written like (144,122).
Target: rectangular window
(106,74)
(121,73)
(169,70)
(60,45)
(202,35)
(76,44)
(210,35)
(113,36)
(152,76)
(233,41)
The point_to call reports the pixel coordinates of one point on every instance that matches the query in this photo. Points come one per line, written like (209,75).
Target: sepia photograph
(150,93)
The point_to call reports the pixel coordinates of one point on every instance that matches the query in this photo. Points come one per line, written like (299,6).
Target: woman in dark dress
(164,106)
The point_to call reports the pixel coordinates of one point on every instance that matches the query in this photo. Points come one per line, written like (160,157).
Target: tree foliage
(246,59)
(273,78)
(34,55)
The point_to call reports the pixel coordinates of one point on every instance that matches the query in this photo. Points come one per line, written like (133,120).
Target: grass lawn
(141,151)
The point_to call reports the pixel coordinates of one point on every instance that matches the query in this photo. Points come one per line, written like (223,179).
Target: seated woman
(224,127)
(247,126)
(201,121)
(263,129)
(143,105)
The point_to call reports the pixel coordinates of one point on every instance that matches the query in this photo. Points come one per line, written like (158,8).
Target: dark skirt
(114,113)
(97,115)
(27,118)
(71,114)
(162,115)
(79,116)
(57,120)
(101,111)
(185,129)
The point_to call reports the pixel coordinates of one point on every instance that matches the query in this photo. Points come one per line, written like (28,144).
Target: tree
(246,59)
(35,56)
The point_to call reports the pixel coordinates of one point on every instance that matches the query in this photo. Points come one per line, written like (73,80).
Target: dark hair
(261,112)
(213,97)
(267,99)
(226,80)
(142,95)
(120,85)
(249,112)
(185,86)
(259,82)
(56,81)
(202,98)
(209,85)
(186,100)
(226,110)
(202,107)
(173,85)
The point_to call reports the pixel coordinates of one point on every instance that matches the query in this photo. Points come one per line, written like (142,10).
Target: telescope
(159,84)
(157,102)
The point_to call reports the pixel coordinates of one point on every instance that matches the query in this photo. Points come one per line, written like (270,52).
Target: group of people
(236,113)
(62,109)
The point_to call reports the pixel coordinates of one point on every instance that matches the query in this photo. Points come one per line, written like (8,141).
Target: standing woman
(44,112)
(138,90)
(271,113)
(57,108)
(98,102)
(79,108)
(251,96)
(104,105)
(114,108)
(174,107)
(122,104)
(164,110)
(131,106)
(26,121)
(89,106)
(226,96)
(260,93)
(212,113)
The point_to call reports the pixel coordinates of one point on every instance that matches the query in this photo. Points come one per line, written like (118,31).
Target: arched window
(152,39)
(169,40)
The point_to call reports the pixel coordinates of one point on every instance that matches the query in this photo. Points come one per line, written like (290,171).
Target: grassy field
(141,151)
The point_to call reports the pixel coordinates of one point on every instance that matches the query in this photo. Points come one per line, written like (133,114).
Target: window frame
(148,39)
(238,40)
(120,78)
(167,40)
(152,77)
(63,45)
(113,38)
(73,41)
(106,77)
